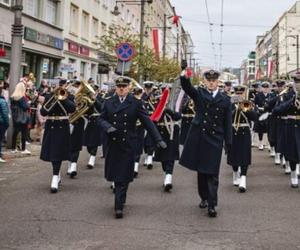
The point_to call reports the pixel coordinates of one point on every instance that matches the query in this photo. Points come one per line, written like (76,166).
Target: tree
(151,68)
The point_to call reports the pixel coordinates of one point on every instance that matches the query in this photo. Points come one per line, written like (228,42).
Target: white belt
(57,118)
(241,125)
(188,115)
(294,117)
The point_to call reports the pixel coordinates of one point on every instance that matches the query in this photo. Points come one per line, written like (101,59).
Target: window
(95,28)
(82,70)
(31,7)
(85,25)
(6,2)
(51,11)
(74,19)
(103,29)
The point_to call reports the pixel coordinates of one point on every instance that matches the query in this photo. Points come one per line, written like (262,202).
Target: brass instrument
(191,106)
(243,105)
(84,99)
(59,94)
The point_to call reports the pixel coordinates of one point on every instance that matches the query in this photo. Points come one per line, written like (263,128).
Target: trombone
(243,105)
(59,94)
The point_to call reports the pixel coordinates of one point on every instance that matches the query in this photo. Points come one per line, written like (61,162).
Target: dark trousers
(293,165)
(2,137)
(168,166)
(92,150)
(244,169)
(120,194)
(137,158)
(74,156)
(208,188)
(260,136)
(19,127)
(56,167)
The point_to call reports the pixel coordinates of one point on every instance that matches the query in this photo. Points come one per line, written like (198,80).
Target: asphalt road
(80,216)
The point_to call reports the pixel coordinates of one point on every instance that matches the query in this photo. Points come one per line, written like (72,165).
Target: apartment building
(43,37)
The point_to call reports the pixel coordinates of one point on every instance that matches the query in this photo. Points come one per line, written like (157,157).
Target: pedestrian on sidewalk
(20,116)
(4,120)
(209,130)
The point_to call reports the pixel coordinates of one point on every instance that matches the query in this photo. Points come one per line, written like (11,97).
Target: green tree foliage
(151,67)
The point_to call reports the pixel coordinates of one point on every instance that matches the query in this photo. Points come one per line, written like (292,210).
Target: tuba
(59,94)
(84,99)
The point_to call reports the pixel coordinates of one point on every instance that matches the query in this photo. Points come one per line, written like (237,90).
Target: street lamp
(297,47)
(116,12)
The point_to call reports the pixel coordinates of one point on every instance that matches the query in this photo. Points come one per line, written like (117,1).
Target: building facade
(43,37)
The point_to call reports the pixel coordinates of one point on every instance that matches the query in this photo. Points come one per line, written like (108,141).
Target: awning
(43,53)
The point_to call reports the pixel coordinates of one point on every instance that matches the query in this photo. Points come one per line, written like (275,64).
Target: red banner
(155,39)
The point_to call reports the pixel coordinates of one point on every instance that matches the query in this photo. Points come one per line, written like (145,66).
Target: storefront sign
(73,47)
(67,67)
(76,48)
(84,51)
(41,38)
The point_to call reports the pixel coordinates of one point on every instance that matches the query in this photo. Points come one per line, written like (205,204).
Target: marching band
(208,119)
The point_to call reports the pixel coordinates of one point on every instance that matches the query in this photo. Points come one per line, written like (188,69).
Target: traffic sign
(125,52)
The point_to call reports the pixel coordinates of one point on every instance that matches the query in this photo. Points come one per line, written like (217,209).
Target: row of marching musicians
(71,110)
(279,111)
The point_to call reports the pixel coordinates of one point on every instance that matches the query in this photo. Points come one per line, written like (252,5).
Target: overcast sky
(238,41)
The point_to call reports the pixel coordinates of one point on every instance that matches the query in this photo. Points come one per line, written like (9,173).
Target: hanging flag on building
(155,39)
(270,68)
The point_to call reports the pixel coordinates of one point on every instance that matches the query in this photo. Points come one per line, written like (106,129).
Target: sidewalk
(34,148)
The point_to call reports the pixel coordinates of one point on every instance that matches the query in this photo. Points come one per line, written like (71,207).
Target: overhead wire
(211,32)
(221,35)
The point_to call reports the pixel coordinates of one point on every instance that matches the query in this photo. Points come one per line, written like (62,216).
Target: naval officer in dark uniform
(204,144)
(118,118)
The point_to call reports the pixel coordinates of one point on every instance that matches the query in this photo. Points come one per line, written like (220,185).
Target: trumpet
(59,94)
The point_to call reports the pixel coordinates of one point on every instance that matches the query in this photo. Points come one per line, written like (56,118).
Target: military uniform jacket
(149,144)
(56,145)
(168,128)
(292,128)
(120,152)
(93,136)
(240,152)
(272,119)
(211,126)
(260,101)
(188,115)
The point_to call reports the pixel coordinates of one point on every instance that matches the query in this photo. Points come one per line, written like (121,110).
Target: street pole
(297,45)
(177,47)
(16,56)
(142,28)
(164,36)
(16,46)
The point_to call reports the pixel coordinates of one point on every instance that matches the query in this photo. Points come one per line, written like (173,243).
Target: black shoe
(242,189)
(135,175)
(203,204)
(53,190)
(149,166)
(294,186)
(73,174)
(212,213)
(119,214)
(90,166)
(168,187)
